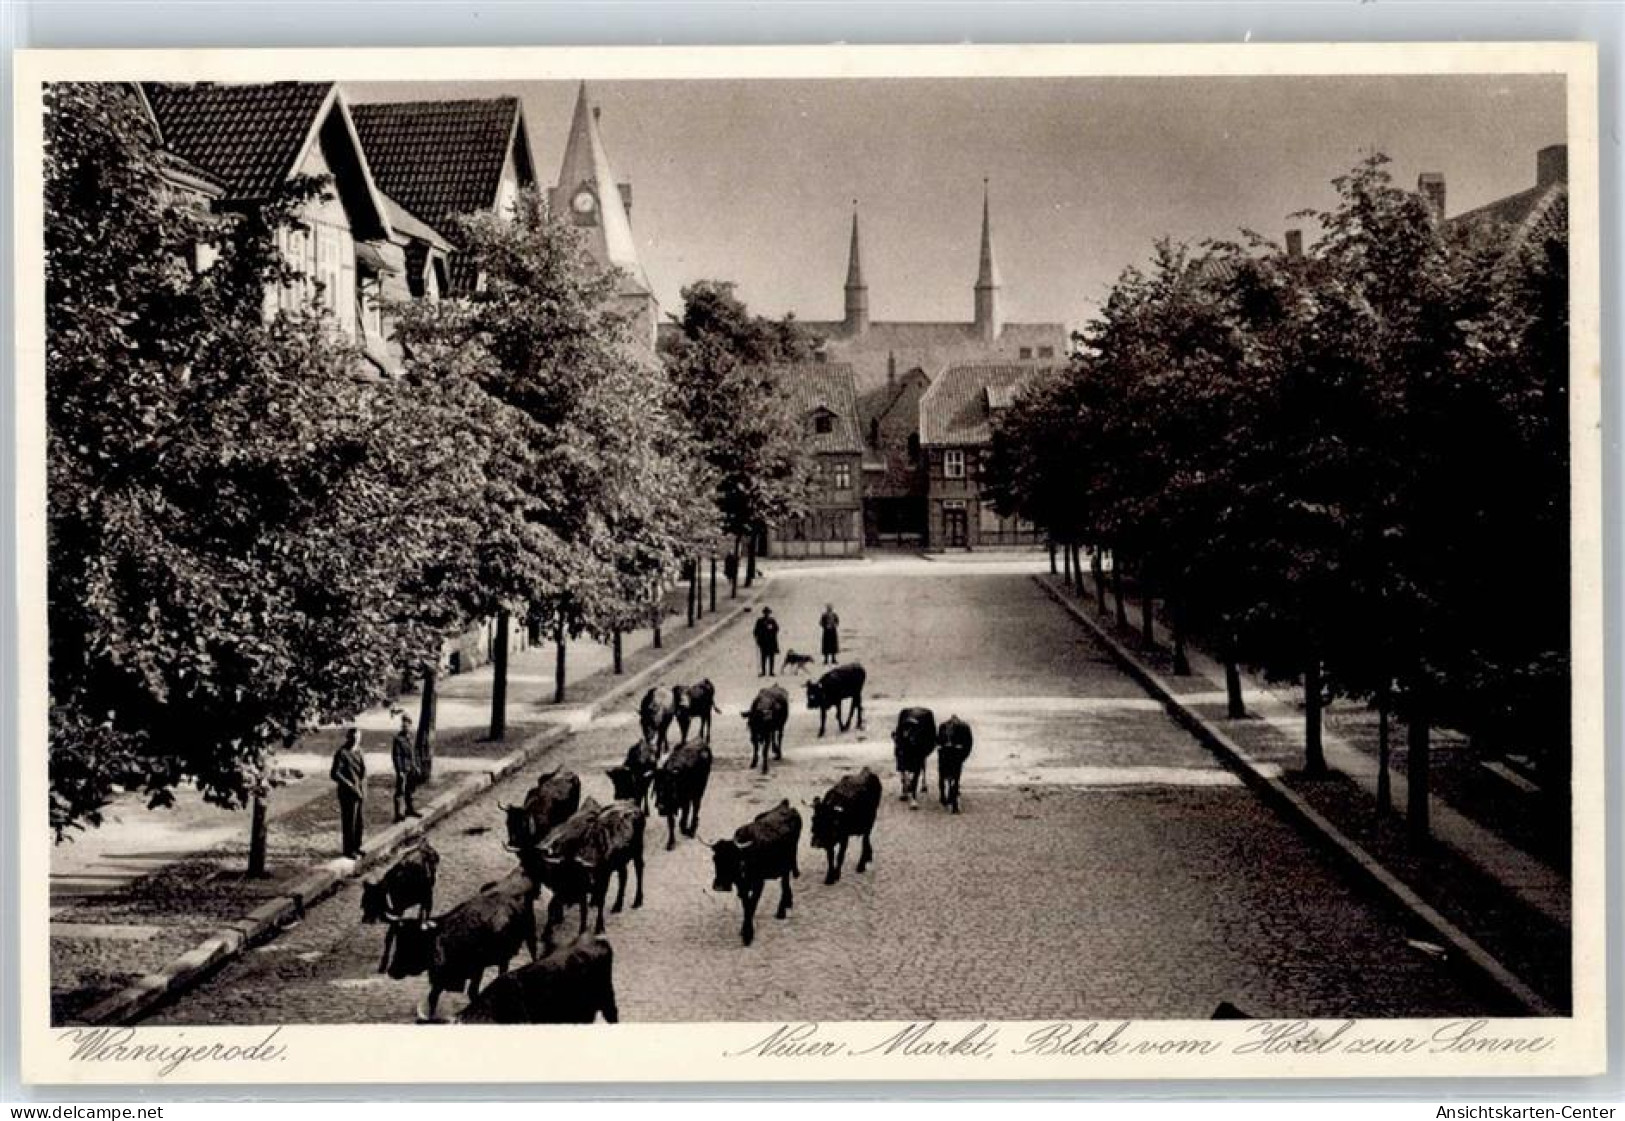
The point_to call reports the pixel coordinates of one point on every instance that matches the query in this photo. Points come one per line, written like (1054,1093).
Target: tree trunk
(499,679)
(615,646)
(1418,747)
(558,665)
(258,837)
(1385,782)
(733,571)
(1182,663)
(1066,563)
(1117,591)
(424,745)
(1235,706)
(1314,753)
(1148,627)
(1052,556)
(654,626)
(688,572)
(1098,567)
(750,560)
(1074,567)
(713,583)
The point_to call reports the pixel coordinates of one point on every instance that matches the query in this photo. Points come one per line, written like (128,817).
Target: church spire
(857,293)
(988,320)
(588,194)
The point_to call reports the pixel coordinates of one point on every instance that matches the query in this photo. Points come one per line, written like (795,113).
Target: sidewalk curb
(267,920)
(1292,806)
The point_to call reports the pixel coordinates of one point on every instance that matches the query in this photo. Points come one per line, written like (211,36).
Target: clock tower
(588,195)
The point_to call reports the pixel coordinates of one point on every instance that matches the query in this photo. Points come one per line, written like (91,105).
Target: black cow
(845,811)
(547,805)
(912,742)
(761,851)
(577,860)
(632,778)
(766,718)
(571,985)
(695,702)
(953,748)
(839,684)
(410,883)
(458,947)
(654,717)
(680,788)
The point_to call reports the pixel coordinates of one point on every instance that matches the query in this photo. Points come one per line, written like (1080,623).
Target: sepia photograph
(924,552)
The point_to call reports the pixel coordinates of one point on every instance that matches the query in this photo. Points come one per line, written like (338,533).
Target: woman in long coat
(830,624)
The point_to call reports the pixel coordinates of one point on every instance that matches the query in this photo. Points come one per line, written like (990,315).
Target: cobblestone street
(1105,864)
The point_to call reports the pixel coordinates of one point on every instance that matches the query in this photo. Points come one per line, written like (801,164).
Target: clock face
(583,202)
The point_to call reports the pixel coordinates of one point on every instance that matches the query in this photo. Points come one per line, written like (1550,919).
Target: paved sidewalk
(129,897)
(1533,881)
(1274,735)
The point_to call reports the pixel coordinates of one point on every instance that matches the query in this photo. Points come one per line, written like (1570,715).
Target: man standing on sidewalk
(349,775)
(403,756)
(767,642)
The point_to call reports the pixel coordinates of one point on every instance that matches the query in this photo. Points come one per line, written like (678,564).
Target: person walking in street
(767,643)
(349,775)
(830,624)
(403,756)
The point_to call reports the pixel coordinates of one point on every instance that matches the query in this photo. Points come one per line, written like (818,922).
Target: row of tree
(1345,467)
(251,536)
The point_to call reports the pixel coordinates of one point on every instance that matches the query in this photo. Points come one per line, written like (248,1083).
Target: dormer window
(823,423)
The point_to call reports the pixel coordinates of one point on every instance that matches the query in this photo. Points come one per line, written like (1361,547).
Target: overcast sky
(753,181)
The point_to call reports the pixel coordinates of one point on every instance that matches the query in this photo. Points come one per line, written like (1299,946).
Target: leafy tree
(228,533)
(720,369)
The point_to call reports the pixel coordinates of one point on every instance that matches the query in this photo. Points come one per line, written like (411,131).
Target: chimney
(626,199)
(1294,244)
(1552,165)
(1430,185)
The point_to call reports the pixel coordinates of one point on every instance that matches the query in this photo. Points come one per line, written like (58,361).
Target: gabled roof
(1518,216)
(405,222)
(955,410)
(440,159)
(816,387)
(251,137)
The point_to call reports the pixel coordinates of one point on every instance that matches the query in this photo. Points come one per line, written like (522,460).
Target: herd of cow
(573,847)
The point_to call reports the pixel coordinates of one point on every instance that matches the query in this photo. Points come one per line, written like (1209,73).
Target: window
(843,476)
(953,464)
(823,424)
(1046,352)
(913,447)
(874,432)
(1026,352)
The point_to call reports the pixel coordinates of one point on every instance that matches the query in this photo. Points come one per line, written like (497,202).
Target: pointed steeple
(857,293)
(988,320)
(588,192)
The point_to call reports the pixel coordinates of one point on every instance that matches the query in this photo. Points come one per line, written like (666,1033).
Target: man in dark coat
(830,624)
(349,775)
(767,642)
(403,756)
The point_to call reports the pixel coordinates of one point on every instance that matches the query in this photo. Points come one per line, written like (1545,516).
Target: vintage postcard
(869,564)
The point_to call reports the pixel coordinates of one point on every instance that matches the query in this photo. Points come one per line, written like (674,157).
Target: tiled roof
(402,220)
(1517,214)
(438,159)
(247,136)
(954,411)
(815,386)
